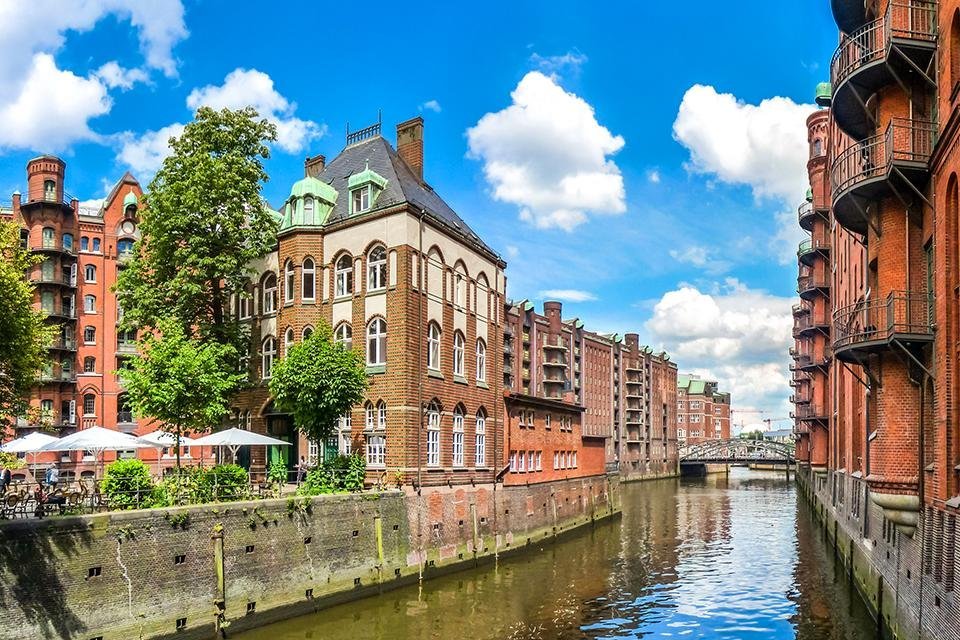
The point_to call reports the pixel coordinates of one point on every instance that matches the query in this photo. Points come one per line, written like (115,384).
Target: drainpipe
(420,292)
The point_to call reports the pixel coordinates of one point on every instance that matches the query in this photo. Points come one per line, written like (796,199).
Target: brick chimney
(313,167)
(553,310)
(410,144)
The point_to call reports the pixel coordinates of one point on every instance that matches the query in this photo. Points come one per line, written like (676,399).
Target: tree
(24,336)
(180,381)
(203,223)
(317,381)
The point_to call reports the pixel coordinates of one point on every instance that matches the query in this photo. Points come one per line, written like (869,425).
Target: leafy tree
(181,382)
(317,381)
(11,461)
(127,484)
(203,222)
(23,335)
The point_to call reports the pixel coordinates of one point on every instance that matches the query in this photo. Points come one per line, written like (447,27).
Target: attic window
(361,199)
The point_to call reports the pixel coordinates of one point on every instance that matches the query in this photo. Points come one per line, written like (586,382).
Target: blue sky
(643,161)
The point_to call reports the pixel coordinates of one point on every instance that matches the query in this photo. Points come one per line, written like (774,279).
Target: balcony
(64,344)
(811,412)
(126,347)
(879,53)
(811,248)
(896,161)
(848,14)
(60,376)
(806,215)
(873,326)
(554,347)
(554,378)
(810,323)
(800,309)
(47,278)
(52,246)
(809,362)
(810,286)
(60,311)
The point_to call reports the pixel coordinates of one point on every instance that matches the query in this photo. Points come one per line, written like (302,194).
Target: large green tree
(203,223)
(24,336)
(180,381)
(317,381)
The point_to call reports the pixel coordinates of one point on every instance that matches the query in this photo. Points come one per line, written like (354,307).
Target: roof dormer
(310,203)
(365,187)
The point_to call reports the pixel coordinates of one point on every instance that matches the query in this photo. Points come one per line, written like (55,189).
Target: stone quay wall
(907,582)
(157,573)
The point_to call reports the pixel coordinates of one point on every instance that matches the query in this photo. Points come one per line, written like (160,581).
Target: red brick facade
(703,412)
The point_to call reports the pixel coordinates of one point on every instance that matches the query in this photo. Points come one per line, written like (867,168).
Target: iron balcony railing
(810,321)
(53,245)
(813,244)
(904,20)
(67,344)
(905,140)
(47,278)
(60,311)
(810,411)
(799,309)
(807,283)
(880,320)
(804,211)
(42,195)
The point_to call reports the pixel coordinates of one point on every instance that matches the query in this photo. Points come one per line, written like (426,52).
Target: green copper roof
(129,199)
(367,176)
(320,197)
(809,195)
(314,187)
(824,94)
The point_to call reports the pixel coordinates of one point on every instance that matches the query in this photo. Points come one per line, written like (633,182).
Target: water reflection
(704,558)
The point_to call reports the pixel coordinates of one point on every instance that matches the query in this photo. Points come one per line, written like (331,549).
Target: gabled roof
(401,186)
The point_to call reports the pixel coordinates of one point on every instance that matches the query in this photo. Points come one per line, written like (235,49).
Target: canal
(736,557)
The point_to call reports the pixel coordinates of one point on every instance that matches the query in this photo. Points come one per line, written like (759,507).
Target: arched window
(481,439)
(287,341)
(90,334)
(48,236)
(89,404)
(307,332)
(344,436)
(96,245)
(288,276)
(370,415)
(433,346)
(124,247)
(377,268)
(377,439)
(458,436)
(481,360)
(344,276)
(89,273)
(344,336)
(377,342)
(955,50)
(308,210)
(124,411)
(308,279)
(458,354)
(268,353)
(49,190)
(84,243)
(68,242)
(817,147)
(245,302)
(270,293)
(89,364)
(89,304)
(381,415)
(433,434)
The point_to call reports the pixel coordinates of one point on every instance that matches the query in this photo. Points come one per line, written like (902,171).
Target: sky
(642,162)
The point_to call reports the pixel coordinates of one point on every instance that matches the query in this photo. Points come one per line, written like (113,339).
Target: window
(539,461)
(245,302)
(124,247)
(270,294)
(344,336)
(68,242)
(46,407)
(458,437)
(96,245)
(433,346)
(84,243)
(89,364)
(287,341)
(481,440)
(531,466)
(381,415)
(433,435)
(313,452)
(49,238)
(458,290)
(89,273)
(371,415)
(377,342)
(49,190)
(547,420)
(288,276)
(89,404)
(376,450)
(361,199)
(89,334)
(457,353)
(481,361)
(125,413)
(307,332)
(89,304)
(308,279)
(268,353)
(522,461)
(513,461)
(308,210)
(377,268)
(556,459)
(344,276)
(344,438)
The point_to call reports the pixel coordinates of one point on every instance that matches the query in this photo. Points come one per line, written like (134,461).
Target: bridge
(738,451)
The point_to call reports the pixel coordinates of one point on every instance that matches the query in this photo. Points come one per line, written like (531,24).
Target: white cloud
(512,251)
(249,87)
(700,257)
(567,295)
(431,105)
(733,334)
(653,176)
(115,76)
(144,153)
(49,108)
(547,154)
(552,65)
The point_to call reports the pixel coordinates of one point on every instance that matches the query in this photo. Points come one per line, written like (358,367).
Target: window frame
(347,338)
(457,449)
(377,269)
(310,271)
(289,283)
(481,360)
(379,339)
(267,356)
(480,440)
(459,346)
(268,294)
(434,337)
(433,435)
(343,276)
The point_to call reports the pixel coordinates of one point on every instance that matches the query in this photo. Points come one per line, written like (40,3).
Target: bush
(126,484)
(341,474)
(277,472)
(223,483)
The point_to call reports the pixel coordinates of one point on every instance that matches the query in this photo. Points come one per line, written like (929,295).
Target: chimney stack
(410,144)
(313,167)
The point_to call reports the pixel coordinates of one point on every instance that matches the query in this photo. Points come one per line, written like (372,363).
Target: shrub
(343,473)
(126,484)
(277,472)
(223,483)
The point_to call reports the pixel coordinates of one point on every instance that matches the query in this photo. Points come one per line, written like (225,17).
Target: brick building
(878,432)
(703,412)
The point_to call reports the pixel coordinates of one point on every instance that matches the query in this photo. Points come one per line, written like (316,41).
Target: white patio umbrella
(163,439)
(30,443)
(97,440)
(235,438)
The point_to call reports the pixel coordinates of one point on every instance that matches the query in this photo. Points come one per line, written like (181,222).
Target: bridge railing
(736,450)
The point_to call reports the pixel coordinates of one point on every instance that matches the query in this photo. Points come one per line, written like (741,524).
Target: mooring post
(378,528)
(476,531)
(220,601)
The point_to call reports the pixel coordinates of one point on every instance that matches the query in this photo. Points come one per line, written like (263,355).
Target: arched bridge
(738,451)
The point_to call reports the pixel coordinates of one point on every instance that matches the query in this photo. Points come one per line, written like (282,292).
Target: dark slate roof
(402,186)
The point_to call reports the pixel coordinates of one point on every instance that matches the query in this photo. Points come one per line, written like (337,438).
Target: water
(736,557)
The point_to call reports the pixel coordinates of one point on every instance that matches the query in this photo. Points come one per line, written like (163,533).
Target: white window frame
(433,346)
(288,341)
(481,360)
(343,270)
(289,286)
(344,335)
(308,211)
(433,436)
(269,297)
(480,446)
(382,415)
(345,434)
(458,438)
(458,355)
(267,356)
(377,269)
(369,414)
(377,342)
(89,304)
(376,450)
(360,199)
(90,273)
(308,272)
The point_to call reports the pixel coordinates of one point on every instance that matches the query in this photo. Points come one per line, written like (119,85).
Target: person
(52,477)
(5,480)
(301,470)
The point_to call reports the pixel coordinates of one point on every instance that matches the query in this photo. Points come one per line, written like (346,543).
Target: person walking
(52,477)
(301,470)
(5,480)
